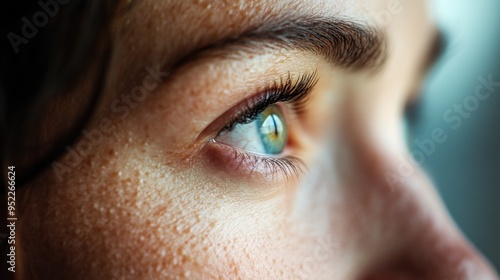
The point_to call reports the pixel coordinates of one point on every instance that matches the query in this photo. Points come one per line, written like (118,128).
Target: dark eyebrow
(436,50)
(344,43)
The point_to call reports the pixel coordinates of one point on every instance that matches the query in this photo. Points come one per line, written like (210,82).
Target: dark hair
(37,70)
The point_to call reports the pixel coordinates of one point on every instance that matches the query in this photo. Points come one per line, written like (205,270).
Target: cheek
(97,228)
(120,221)
(107,219)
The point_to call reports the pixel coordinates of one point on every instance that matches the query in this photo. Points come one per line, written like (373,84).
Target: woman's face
(254,140)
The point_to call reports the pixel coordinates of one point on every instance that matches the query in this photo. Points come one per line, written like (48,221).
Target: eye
(256,137)
(267,134)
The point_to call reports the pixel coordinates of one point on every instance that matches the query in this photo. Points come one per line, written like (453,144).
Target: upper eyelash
(295,92)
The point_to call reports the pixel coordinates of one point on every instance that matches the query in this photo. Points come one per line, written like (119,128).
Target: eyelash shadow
(295,93)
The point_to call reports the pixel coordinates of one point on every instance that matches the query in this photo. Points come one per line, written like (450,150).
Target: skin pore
(158,199)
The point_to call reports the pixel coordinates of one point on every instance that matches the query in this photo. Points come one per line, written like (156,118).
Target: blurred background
(466,167)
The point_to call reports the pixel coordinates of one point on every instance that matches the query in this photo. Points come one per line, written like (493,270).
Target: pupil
(275,125)
(272,126)
(273,131)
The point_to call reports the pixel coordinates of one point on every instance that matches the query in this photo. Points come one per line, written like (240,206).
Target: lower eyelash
(243,163)
(291,167)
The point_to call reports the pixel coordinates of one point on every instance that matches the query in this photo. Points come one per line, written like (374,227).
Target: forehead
(173,28)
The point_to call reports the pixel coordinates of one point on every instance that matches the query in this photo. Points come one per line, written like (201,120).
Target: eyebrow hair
(344,43)
(437,48)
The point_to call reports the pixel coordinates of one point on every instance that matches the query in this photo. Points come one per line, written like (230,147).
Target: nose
(402,228)
(409,234)
(428,246)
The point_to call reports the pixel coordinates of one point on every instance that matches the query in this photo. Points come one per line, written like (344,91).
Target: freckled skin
(145,205)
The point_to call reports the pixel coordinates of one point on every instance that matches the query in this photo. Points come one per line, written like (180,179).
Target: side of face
(158,198)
